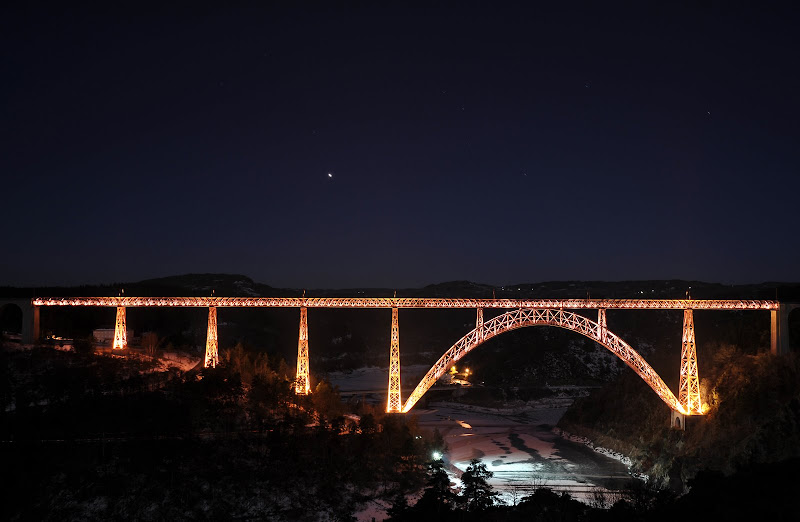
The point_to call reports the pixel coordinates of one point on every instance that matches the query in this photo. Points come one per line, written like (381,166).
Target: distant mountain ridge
(238,285)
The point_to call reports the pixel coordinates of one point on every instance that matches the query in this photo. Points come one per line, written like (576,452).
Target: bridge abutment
(31,333)
(29,329)
(779,328)
(677,420)
(36,334)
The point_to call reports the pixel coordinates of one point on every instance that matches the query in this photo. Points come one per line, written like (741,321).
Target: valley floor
(518,443)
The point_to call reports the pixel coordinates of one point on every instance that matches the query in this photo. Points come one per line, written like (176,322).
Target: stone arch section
(521,318)
(30,318)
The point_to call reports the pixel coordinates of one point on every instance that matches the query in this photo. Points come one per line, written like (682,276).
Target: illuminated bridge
(518,313)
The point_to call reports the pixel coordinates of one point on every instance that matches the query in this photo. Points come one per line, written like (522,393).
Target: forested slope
(754,417)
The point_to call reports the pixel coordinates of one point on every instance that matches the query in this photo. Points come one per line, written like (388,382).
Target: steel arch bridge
(520,318)
(518,313)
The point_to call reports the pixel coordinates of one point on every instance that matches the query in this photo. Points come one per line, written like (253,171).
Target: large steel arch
(547,317)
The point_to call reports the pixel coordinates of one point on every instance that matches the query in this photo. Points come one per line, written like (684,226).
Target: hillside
(754,418)
(754,397)
(241,285)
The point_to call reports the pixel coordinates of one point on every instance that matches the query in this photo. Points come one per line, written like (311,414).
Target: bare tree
(600,498)
(150,343)
(517,491)
(536,481)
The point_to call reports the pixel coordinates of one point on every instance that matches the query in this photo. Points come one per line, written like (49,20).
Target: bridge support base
(212,355)
(677,420)
(302,384)
(602,327)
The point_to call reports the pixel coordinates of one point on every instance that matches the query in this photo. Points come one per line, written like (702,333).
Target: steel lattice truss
(212,353)
(571,321)
(690,381)
(411,302)
(394,404)
(302,383)
(120,330)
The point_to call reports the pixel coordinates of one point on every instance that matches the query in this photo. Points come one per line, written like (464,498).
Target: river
(519,444)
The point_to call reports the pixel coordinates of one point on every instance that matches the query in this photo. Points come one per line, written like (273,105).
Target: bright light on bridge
(517,313)
(411,302)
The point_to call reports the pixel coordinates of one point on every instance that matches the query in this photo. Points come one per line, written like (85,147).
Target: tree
(438,496)
(150,343)
(477,493)
(326,400)
(284,372)
(367,424)
(84,345)
(399,509)
(438,444)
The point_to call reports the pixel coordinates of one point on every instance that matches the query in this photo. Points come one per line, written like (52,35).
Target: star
(330,175)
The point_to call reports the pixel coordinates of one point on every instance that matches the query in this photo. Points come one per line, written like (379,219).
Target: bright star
(330,175)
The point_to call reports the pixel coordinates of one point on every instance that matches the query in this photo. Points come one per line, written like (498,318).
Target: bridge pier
(30,333)
(779,329)
(394,404)
(479,325)
(37,332)
(302,384)
(120,330)
(212,353)
(601,324)
(690,382)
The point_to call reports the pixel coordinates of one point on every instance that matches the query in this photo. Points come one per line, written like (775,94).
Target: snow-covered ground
(371,383)
(178,360)
(519,443)
(523,449)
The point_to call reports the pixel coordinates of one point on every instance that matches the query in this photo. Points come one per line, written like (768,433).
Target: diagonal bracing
(520,318)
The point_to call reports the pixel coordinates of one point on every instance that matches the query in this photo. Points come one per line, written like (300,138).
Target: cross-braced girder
(602,328)
(534,317)
(212,352)
(302,383)
(394,404)
(479,320)
(412,302)
(120,330)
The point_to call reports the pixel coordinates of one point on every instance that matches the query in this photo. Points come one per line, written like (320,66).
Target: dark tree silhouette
(399,510)
(437,497)
(477,494)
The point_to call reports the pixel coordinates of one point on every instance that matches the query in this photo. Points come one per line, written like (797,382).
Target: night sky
(358,146)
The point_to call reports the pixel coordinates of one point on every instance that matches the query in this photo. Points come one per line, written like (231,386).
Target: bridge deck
(410,302)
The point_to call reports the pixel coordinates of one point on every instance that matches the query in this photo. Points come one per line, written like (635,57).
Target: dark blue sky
(497,145)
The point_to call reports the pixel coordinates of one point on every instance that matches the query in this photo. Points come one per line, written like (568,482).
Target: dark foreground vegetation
(95,437)
(753,418)
(761,491)
(89,437)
